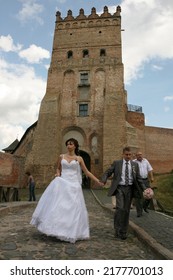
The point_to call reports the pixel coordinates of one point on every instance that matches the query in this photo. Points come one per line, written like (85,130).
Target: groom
(126,183)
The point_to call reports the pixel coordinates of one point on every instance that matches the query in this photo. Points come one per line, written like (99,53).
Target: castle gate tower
(85,97)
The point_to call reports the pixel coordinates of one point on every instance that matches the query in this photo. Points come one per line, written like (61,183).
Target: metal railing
(134,108)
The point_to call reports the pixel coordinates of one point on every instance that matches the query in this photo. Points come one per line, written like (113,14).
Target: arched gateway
(87,160)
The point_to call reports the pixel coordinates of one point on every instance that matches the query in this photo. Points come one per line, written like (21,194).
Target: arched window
(69,54)
(85,53)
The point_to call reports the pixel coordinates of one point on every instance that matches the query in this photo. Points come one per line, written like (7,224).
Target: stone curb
(156,247)
(143,236)
(6,208)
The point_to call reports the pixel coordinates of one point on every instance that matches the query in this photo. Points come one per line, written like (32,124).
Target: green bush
(164,191)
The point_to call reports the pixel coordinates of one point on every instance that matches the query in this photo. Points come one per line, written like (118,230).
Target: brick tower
(85,96)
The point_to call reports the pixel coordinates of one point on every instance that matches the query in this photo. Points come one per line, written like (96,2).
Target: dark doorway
(85,180)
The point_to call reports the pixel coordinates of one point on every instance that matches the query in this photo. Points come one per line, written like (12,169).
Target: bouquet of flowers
(148,193)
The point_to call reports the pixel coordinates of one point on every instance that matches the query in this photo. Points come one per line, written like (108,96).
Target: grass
(164,191)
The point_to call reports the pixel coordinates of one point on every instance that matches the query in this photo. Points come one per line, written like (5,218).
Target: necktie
(126,174)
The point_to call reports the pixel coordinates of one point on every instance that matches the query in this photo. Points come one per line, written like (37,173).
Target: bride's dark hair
(75,142)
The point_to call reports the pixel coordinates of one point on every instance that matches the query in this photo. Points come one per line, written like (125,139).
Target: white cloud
(21,92)
(148,25)
(61,1)
(11,132)
(34,54)
(7,45)
(157,67)
(168,98)
(166,109)
(30,11)
(47,66)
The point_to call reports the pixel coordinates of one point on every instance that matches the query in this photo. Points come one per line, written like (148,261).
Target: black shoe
(117,235)
(123,236)
(145,209)
(139,215)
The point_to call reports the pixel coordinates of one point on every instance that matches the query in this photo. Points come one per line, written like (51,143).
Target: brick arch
(74,132)
(68,72)
(99,70)
(75,24)
(99,22)
(67,25)
(90,23)
(60,26)
(107,21)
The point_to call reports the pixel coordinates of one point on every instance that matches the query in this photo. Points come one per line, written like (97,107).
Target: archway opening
(87,160)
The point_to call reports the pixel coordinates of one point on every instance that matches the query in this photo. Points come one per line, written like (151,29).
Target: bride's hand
(99,183)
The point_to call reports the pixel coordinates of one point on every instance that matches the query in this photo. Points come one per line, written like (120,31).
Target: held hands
(99,183)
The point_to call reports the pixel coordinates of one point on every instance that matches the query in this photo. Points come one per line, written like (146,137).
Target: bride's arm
(87,172)
(58,170)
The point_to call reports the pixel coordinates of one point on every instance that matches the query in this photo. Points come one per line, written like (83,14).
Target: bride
(61,210)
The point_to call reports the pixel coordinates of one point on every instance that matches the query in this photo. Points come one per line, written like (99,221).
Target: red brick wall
(11,170)
(159,148)
(156,143)
(136,119)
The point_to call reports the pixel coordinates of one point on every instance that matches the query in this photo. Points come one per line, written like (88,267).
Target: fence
(8,193)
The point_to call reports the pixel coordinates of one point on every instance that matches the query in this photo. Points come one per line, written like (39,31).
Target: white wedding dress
(61,210)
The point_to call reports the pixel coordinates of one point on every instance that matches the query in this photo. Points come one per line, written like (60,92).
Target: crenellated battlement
(92,16)
(90,37)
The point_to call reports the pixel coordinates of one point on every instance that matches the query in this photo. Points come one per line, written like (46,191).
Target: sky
(26,36)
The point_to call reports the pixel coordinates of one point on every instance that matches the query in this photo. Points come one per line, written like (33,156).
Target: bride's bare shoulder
(61,156)
(79,158)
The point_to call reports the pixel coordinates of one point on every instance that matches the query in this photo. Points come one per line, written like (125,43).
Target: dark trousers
(32,192)
(141,202)
(139,205)
(146,203)
(123,202)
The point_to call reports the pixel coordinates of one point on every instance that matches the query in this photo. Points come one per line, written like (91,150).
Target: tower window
(85,53)
(84,78)
(69,54)
(83,110)
(102,52)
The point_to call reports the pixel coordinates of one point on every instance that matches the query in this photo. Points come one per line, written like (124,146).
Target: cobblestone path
(21,241)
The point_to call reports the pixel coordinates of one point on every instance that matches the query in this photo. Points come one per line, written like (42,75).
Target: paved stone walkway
(155,229)
(21,241)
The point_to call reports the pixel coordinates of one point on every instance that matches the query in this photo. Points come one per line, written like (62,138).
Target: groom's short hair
(126,149)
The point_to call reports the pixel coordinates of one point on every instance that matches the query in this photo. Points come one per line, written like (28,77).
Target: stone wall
(159,148)
(156,143)
(12,170)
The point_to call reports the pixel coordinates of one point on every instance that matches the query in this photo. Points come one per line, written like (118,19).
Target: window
(83,110)
(84,78)
(102,52)
(69,54)
(85,53)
